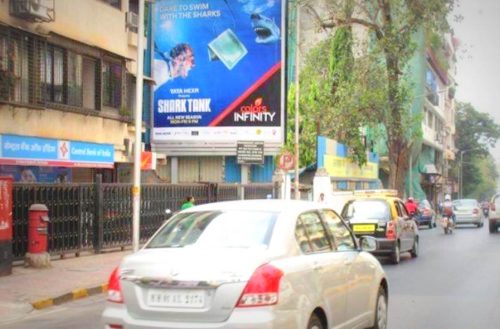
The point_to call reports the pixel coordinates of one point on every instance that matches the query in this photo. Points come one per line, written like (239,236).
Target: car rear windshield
(465,203)
(424,204)
(218,229)
(367,209)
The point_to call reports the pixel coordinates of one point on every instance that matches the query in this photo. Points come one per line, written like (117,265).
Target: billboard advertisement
(218,71)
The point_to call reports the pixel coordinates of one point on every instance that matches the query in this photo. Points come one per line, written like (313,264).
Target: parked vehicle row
(273,264)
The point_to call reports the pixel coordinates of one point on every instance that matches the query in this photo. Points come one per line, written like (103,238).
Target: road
(454,283)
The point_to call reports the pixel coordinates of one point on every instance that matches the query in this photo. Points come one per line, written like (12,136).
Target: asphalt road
(453,284)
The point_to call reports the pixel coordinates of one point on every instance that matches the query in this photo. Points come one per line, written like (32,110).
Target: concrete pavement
(67,279)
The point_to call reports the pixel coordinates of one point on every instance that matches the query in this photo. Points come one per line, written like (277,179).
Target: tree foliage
(377,90)
(476,133)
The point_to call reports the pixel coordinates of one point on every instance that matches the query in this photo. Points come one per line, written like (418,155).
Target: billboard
(218,71)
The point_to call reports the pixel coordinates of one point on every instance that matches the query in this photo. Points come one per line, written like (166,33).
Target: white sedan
(250,265)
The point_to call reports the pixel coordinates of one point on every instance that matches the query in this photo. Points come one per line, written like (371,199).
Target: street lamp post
(297,94)
(136,189)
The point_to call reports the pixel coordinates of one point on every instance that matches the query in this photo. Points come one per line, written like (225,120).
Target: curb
(68,297)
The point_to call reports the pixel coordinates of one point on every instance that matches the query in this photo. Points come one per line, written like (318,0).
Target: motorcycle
(447,225)
(486,212)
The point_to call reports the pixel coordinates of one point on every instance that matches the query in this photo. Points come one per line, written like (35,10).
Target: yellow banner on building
(345,168)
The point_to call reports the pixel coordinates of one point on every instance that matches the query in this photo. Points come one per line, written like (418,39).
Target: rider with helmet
(447,208)
(411,206)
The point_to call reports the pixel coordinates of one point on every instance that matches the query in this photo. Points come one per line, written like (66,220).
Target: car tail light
(263,287)
(114,326)
(390,233)
(114,287)
(475,211)
(493,207)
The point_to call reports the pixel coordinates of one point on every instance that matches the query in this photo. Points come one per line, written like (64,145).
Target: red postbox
(38,228)
(5,226)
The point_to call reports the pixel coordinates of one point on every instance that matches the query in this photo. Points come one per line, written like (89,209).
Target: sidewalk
(65,280)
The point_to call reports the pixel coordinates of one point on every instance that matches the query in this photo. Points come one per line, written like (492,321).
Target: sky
(478,58)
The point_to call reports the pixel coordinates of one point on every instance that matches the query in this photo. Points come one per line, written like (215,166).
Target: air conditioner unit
(131,20)
(33,10)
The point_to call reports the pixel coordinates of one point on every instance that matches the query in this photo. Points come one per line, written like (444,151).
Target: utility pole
(136,189)
(297,95)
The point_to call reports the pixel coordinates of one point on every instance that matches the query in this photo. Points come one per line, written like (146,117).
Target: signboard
(148,161)
(250,152)
(218,72)
(286,161)
(34,151)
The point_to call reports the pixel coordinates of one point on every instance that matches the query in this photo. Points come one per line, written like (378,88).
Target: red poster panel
(5,209)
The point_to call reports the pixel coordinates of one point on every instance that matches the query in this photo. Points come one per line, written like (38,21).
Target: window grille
(63,74)
(112,84)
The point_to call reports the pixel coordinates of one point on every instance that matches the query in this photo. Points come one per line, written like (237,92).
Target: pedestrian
(188,203)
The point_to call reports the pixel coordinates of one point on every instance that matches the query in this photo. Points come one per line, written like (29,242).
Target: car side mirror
(368,243)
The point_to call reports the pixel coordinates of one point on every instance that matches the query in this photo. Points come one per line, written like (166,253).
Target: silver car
(250,265)
(468,211)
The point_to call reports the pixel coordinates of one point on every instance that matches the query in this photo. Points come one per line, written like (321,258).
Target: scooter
(447,225)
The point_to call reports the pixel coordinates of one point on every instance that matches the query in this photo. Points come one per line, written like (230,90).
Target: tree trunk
(397,145)
(398,165)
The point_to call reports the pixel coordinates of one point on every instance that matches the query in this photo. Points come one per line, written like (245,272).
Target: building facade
(67,84)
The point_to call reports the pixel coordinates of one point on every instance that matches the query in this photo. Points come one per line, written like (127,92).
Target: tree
(391,26)
(476,132)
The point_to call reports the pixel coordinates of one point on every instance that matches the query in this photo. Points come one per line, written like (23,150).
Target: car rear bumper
(468,219)
(424,220)
(248,318)
(385,247)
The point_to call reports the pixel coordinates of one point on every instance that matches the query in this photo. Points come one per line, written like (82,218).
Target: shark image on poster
(265,28)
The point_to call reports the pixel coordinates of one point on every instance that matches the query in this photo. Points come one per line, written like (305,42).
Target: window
(367,209)
(53,82)
(342,236)
(14,67)
(75,65)
(401,209)
(112,84)
(315,232)
(217,229)
(89,70)
(301,237)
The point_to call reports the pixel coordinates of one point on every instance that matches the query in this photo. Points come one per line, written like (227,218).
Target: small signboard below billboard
(250,152)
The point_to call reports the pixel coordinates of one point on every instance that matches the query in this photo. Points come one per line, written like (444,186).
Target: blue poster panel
(218,70)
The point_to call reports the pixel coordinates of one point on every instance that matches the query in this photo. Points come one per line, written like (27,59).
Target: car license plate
(176,298)
(364,228)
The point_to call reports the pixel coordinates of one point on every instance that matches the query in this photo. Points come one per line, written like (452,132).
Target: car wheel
(314,323)
(414,250)
(381,310)
(396,255)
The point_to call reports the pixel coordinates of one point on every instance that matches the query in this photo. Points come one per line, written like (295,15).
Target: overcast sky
(478,60)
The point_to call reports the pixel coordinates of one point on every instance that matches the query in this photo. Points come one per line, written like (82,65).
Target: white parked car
(250,265)
(494,213)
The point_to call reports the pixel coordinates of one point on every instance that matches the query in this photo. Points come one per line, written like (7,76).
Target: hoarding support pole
(136,189)
(244,173)
(297,94)
(174,170)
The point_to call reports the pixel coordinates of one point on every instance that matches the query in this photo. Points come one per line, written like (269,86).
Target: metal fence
(93,217)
